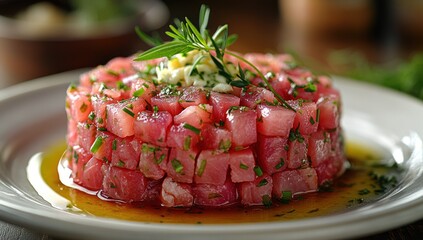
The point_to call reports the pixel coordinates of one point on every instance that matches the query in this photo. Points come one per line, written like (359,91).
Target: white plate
(32,118)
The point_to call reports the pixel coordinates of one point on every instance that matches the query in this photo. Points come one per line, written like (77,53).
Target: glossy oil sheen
(346,194)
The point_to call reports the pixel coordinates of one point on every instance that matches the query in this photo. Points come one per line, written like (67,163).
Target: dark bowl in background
(24,57)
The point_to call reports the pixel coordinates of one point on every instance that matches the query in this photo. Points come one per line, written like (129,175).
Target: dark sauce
(359,185)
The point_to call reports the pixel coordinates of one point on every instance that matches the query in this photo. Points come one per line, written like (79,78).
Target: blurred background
(380,41)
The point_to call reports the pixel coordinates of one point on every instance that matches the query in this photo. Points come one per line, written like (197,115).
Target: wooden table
(258,26)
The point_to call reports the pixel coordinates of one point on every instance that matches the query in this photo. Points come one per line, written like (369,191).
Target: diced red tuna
(92,177)
(329,112)
(319,147)
(124,184)
(125,153)
(183,136)
(176,194)
(80,157)
(216,138)
(298,153)
(257,192)
(103,146)
(242,165)
(195,116)
(167,103)
(121,116)
(294,181)
(99,109)
(242,125)
(72,133)
(221,104)
(274,121)
(211,167)
(256,95)
(306,119)
(86,135)
(153,161)
(192,96)
(152,127)
(121,66)
(215,195)
(272,153)
(143,89)
(181,164)
(80,105)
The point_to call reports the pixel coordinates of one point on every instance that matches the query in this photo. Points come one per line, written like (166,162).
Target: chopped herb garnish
(83,107)
(267,200)
(121,86)
(214,195)
(187,143)
(295,135)
(243,166)
(97,144)
(192,128)
(91,116)
(155,109)
(102,129)
(262,183)
(112,185)
(75,157)
(258,171)
(100,120)
(112,72)
(280,164)
(202,167)
(177,166)
(160,159)
(120,163)
(128,111)
(286,196)
(139,92)
(317,115)
(186,37)
(364,191)
(114,144)
(225,145)
(312,121)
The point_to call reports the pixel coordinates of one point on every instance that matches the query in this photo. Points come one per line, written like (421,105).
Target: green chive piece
(258,171)
(187,143)
(312,121)
(160,159)
(202,167)
(83,107)
(243,166)
(192,128)
(97,144)
(317,115)
(279,165)
(91,116)
(214,195)
(120,163)
(139,92)
(267,200)
(177,166)
(129,112)
(286,196)
(102,129)
(262,183)
(114,144)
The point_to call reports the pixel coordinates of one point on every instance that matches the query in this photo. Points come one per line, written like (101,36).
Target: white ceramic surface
(32,118)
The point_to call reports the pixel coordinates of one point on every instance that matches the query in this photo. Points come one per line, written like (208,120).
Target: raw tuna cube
(274,121)
(298,153)
(80,157)
(124,184)
(86,135)
(192,96)
(99,106)
(329,112)
(282,86)
(257,192)
(272,153)
(180,166)
(79,105)
(195,116)
(256,95)
(242,124)
(319,147)
(303,87)
(102,146)
(142,89)
(92,177)
(183,137)
(175,194)
(306,120)
(121,66)
(242,165)
(153,161)
(126,153)
(215,195)
(215,138)
(121,116)
(100,74)
(152,127)
(72,134)
(211,167)
(294,181)
(167,103)
(221,103)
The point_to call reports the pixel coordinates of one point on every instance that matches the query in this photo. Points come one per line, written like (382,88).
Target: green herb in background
(103,10)
(406,76)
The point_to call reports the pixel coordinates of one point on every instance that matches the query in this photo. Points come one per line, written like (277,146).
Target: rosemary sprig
(186,37)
